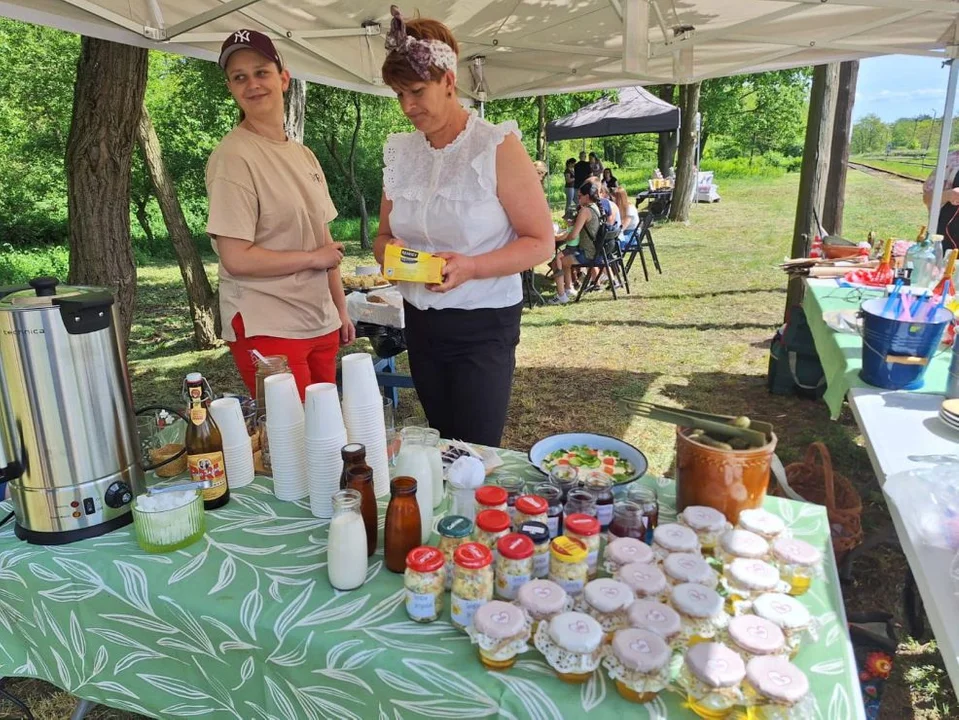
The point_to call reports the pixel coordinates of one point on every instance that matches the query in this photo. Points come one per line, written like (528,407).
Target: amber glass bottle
(352,454)
(360,478)
(204,446)
(402,532)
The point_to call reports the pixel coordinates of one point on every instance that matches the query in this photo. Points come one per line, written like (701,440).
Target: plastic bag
(932,509)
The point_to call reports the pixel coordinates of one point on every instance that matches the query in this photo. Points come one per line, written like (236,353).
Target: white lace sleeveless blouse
(445,201)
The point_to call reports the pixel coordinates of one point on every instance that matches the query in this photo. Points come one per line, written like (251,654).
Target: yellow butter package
(400,263)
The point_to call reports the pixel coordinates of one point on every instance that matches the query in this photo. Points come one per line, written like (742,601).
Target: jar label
(462,611)
(208,466)
(507,586)
(604,513)
(553,524)
(197,415)
(573,587)
(541,565)
(421,606)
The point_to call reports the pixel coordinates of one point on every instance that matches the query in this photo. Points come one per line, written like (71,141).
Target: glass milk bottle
(346,547)
(413,461)
(431,448)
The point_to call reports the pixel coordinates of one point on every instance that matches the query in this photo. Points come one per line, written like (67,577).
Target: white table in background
(903,432)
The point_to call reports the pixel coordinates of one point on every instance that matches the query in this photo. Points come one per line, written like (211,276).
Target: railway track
(870,170)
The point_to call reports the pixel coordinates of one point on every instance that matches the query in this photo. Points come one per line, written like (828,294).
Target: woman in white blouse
(466,190)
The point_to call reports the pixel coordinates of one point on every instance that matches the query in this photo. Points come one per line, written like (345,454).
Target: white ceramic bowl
(598,442)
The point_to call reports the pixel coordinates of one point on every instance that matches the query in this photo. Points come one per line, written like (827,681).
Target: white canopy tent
(515,48)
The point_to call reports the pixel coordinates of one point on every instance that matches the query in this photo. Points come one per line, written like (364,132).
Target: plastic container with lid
(712,677)
(775,689)
(607,601)
(708,524)
(741,544)
(425,583)
(656,617)
(501,630)
(746,579)
(514,564)
(539,534)
(674,538)
(572,643)
(491,525)
(568,564)
(763,523)
(689,568)
(530,508)
(554,510)
(472,582)
(491,497)
(645,579)
(790,616)
(638,661)
(798,563)
(454,530)
(543,599)
(585,529)
(700,612)
(751,636)
(623,551)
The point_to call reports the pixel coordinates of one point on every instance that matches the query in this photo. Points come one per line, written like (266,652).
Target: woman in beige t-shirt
(280,288)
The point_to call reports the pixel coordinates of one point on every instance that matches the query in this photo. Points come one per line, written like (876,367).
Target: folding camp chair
(640,237)
(610,259)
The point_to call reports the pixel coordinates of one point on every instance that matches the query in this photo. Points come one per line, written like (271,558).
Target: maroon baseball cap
(248,40)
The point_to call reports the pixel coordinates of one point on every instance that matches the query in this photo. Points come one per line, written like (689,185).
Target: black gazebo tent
(637,111)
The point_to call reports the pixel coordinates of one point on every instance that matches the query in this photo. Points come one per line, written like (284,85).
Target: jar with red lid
(425,583)
(491,525)
(514,564)
(585,529)
(530,508)
(491,497)
(472,582)
(601,486)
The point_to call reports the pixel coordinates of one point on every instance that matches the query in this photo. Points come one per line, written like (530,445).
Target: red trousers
(311,360)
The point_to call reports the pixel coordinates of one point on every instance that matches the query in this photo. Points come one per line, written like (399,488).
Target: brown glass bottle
(402,532)
(204,446)
(353,454)
(360,478)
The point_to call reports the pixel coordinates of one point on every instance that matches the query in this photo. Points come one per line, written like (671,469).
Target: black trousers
(462,363)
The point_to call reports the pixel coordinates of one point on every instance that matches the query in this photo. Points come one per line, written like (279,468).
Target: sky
(897,86)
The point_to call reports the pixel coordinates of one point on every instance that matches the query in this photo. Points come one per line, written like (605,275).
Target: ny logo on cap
(241,36)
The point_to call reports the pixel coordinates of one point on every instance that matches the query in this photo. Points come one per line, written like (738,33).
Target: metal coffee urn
(68,442)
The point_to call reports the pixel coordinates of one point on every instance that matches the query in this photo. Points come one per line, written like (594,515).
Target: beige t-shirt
(273,194)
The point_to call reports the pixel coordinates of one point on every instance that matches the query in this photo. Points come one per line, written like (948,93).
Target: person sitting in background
(627,211)
(581,171)
(595,165)
(609,208)
(580,241)
(569,177)
(609,180)
(541,172)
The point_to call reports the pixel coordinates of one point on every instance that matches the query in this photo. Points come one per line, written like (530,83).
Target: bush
(19,265)
(741,168)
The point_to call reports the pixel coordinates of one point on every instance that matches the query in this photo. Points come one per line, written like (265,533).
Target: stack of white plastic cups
(363,414)
(237,448)
(325,438)
(285,430)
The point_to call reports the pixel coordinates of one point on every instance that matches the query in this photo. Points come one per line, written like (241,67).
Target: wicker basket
(816,481)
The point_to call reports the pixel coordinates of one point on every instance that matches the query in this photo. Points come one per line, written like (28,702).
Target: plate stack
(285,431)
(325,437)
(237,448)
(363,413)
(949,413)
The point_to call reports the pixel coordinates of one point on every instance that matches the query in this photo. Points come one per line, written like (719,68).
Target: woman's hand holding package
(458,269)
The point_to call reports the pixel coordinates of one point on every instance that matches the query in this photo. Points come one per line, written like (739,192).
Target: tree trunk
(541,128)
(815,159)
(111,80)
(140,210)
(686,169)
(348,169)
(204,308)
(703,139)
(295,118)
(835,199)
(668,141)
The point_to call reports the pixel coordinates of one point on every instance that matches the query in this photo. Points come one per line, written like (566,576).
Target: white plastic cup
(324,417)
(239,465)
(282,400)
(228,416)
(359,382)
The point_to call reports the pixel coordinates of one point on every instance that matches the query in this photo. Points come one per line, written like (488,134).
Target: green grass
(695,336)
(909,169)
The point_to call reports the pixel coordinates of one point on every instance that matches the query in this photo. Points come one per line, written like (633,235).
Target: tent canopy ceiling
(637,111)
(530,47)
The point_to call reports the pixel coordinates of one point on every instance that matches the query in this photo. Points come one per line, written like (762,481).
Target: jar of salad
(514,564)
(472,582)
(568,564)
(539,534)
(530,508)
(585,529)
(425,583)
(491,497)
(454,530)
(491,525)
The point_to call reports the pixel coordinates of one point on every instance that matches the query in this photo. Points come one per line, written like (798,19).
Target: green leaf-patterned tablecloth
(243,624)
(841,353)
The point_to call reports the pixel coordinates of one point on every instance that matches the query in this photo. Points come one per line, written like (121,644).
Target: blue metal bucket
(896,353)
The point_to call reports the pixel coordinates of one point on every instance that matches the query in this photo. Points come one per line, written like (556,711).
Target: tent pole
(944,137)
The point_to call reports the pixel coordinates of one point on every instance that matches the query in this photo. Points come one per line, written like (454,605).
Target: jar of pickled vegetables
(514,564)
(585,529)
(530,508)
(425,583)
(568,564)
(491,525)
(539,534)
(491,497)
(472,582)
(454,530)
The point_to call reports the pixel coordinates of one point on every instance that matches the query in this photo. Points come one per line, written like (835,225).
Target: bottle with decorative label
(204,446)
